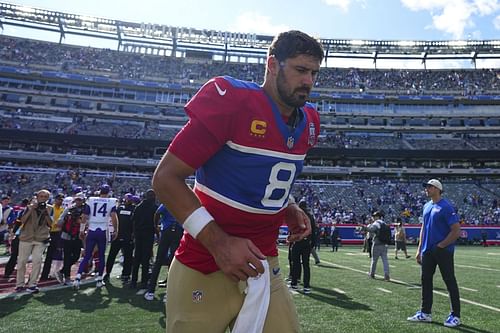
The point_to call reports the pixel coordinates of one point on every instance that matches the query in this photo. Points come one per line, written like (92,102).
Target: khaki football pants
(210,303)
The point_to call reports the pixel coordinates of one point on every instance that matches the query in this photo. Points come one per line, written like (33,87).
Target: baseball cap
(128,196)
(79,195)
(434,182)
(378,213)
(104,189)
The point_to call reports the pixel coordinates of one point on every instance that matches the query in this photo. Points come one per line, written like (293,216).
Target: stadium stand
(66,107)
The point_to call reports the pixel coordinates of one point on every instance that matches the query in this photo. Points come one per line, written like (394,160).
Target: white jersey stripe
(234,204)
(265,152)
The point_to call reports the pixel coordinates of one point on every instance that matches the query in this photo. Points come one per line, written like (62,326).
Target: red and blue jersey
(246,159)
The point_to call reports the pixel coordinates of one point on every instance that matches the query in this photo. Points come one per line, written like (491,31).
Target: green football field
(344,299)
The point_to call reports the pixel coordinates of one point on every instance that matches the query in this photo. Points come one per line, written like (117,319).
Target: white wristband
(291,200)
(197,221)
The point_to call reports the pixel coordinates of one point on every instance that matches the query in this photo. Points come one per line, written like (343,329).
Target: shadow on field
(90,299)
(11,305)
(326,266)
(337,299)
(461,328)
(470,329)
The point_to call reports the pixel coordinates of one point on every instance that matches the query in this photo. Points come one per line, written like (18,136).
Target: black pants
(335,243)
(444,259)
(72,249)
(301,251)
(55,240)
(127,247)
(169,242)
(143,251)
(14,251)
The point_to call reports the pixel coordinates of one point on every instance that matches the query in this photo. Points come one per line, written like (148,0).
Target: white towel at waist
(253,313)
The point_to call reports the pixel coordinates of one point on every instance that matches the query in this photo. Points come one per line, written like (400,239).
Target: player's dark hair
(293,43)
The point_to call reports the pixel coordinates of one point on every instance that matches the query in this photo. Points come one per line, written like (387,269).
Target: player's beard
(293,97)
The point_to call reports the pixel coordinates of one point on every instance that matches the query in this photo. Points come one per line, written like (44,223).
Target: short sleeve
(211,112)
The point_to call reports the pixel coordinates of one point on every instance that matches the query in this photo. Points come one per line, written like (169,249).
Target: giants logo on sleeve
(312,135)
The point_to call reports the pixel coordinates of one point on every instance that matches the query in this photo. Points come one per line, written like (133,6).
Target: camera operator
(69,222)
(33,239)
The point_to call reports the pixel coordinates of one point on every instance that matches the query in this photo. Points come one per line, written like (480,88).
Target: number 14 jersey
(100,210)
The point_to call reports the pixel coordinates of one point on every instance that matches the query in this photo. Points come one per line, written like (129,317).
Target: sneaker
(452,321)
(59,277)
(76,284)
(307,290)
(396,258)
(421,316)
(99,284)
(387,278)
(19,289)
(294,286)
(33,290)
(407,257)
(149,296)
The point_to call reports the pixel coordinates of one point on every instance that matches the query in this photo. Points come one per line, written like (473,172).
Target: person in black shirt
(122,239)
(301,251)
(70,221)
(144,232)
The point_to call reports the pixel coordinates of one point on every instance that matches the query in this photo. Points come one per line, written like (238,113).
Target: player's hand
(418,257)
(82,235)
(238,258)
(299,225)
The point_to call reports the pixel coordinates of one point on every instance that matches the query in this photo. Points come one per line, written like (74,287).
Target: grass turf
(343,300)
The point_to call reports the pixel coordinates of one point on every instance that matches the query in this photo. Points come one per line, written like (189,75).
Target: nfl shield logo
(197,296)
(290,142)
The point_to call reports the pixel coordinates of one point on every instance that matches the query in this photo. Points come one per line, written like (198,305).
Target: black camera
(42,205)
(76,212)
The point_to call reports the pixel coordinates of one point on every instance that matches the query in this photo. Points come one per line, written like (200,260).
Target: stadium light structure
(172,40)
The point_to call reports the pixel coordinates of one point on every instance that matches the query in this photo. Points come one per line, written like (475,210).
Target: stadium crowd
(38,54)
(350,201)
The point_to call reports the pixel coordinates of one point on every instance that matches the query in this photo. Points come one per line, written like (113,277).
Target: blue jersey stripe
(261,182)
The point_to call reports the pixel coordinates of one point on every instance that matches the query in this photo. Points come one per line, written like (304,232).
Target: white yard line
(468,289)
(385,290)
(476,267)
(339,291)
(485,306)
